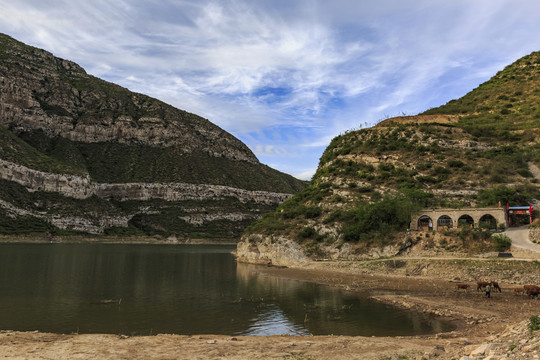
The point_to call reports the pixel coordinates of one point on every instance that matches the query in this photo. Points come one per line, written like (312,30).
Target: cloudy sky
(285,76)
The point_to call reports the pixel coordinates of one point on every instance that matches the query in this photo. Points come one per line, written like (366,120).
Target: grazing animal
(533,293)
(496,286)
(518,291)
(482,284)
(532,290)
(462,286)
(530,287)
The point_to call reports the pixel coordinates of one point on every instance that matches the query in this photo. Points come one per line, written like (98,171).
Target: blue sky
(285,76)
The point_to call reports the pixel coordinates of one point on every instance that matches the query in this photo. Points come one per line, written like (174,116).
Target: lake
(181,289)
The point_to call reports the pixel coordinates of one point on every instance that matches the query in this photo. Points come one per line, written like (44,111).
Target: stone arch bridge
(439,219)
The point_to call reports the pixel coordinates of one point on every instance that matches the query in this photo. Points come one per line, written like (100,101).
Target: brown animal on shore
(496,286)
(532,290)
(482,284)
(529,287)
(462,286)
(518,291)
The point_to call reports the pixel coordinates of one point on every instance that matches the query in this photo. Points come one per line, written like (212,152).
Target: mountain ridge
(66,134)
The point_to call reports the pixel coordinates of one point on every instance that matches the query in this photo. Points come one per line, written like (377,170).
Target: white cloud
(285,77)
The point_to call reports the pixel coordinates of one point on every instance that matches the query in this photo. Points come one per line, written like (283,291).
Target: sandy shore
(426,285)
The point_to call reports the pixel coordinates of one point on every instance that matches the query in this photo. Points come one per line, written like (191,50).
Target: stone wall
(499,214)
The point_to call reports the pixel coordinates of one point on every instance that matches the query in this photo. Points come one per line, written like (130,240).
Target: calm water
(182,289)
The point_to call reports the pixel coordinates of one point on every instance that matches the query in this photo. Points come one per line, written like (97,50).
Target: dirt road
(520,238)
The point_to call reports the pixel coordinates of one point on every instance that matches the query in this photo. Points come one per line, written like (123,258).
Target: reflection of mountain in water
(322,310)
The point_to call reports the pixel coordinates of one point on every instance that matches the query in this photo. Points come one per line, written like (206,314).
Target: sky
(285,76)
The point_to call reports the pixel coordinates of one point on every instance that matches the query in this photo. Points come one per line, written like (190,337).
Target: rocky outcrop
(78,187)
(274,250)
(534,234)
(81,187)
(517,341)
(419,119)
(199,219)
(92,223)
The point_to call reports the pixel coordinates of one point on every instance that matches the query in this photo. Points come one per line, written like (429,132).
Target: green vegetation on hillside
(26,224)
(506,107)
(370,182)
(15,150)
(120,163)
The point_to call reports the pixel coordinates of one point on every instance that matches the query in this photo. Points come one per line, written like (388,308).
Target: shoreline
(418,284)
(103,239)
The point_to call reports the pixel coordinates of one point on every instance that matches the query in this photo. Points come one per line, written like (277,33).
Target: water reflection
(318,310)
(149,289)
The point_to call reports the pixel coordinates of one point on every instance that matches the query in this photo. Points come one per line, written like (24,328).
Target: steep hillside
(79,153)
(477,151)
(507,107)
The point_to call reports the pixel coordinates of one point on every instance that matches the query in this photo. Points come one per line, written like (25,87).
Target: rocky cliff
(478,151)
(78,153)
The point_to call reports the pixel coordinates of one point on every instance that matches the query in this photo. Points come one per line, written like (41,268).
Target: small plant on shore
(534,323)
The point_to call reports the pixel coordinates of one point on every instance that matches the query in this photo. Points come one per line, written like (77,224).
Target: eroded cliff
(79,153)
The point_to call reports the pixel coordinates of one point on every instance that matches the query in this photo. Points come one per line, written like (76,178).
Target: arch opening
(425,223)
(444,221)
(487,222)
(465,221)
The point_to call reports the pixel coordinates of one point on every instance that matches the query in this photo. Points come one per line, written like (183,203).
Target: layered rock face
(81,187)
(71,142)
(39,91)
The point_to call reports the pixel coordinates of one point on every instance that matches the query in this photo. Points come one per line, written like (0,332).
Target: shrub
(525,173)
(424,166)
(427,179)
(386,216)
(386,167)
(534,323)
(497,178)
(307,232)
(501,242)
(312,212)
(455,163)
(505,194)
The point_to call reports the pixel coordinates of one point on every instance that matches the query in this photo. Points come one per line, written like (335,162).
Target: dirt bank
(496,327)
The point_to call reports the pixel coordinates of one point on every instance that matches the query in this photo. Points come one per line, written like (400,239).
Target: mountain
(81,154)
(477,151)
